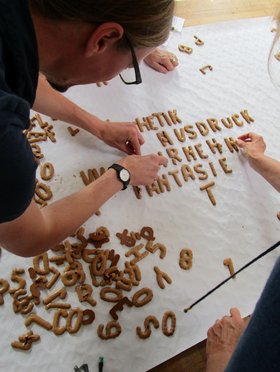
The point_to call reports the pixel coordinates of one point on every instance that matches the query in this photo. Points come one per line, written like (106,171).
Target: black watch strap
(122,174)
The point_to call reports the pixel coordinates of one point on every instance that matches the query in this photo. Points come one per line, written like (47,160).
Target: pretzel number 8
(186,259)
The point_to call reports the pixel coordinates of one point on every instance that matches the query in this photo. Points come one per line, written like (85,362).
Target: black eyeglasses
(138,79)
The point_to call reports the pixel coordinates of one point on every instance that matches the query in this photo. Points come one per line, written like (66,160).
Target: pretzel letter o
(147,292)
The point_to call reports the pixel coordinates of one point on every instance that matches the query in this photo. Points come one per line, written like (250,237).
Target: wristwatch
(122,174)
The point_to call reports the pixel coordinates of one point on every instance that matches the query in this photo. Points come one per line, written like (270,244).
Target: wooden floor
(198,12)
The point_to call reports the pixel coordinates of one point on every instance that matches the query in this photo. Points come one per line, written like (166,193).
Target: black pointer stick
(237,272)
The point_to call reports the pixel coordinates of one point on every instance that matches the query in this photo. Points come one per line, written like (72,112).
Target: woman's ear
(102,37)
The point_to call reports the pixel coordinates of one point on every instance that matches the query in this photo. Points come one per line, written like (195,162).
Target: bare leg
(222,340)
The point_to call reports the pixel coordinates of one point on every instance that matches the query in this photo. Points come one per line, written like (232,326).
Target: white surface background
(241,226)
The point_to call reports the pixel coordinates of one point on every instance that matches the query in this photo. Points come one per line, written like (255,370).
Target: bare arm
(52,103)
(37,230)
(254,148)
(123,135)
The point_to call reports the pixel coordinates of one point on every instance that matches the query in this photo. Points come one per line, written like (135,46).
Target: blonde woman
(233,344)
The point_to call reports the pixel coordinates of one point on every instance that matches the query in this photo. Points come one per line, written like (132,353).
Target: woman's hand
(162,60)
(252,144)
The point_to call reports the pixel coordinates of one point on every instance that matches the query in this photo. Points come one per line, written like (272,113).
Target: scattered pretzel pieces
(88,255)
(100,237)
(34,318)
(61,293)
(113,325)
(57,328)
(277,56)
(147,328)
(210,194)
(198,41)
(22,303)
(124,283)
(32,273)
(185,49)
(72,274)
(111,274)
(4,287)
(207,67)
(103,264)
(88,317)
(16,277)
(135,251)
(36,263)
(47,171)
(160,276)
(74,313)
(36,286)
(39,282)
(36,149)
(168,315)
(78,248)
(58,260)
(131,276)
(126,239)
(278,216)
(25,341)
(153,248)
(53,280)
(84,292)
(228,262)
(57,305)
(98,265)
(68,252)
(148,296)
(134,273)
(147,233)
(73,131)
(100,84)
(43,192)
(186,259)
(104,292)
(40,202)
(119,307)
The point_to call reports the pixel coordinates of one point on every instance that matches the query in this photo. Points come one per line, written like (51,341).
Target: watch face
(124,175)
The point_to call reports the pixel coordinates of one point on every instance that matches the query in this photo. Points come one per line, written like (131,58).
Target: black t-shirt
(18,82)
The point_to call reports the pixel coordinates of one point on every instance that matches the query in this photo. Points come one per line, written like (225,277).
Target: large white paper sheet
(240,226)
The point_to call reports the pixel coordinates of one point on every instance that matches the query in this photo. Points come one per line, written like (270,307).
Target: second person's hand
(162,60)
(252,144)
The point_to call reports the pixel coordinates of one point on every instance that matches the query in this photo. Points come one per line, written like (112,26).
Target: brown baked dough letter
(147,331)
(4,287)
(168,315)
(109,330)
(186,259)
(147,292)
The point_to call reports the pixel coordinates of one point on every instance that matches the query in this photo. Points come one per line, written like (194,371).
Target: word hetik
(196,153)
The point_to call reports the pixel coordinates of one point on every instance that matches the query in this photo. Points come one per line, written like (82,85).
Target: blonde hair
(147,23)
(273,46)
